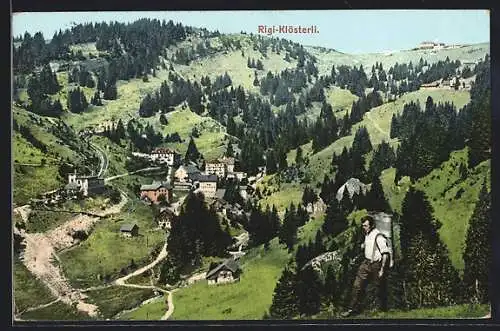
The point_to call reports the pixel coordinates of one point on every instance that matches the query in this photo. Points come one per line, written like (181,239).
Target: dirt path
(40,253)
(45,305)
(162,255)
(131,173)
(170,302)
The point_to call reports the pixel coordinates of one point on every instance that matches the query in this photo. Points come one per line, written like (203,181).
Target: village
(180,179)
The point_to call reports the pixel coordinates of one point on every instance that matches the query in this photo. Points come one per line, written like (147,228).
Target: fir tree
(309,288)
(480,135)
(285,300)
(375,199)
(478,253)
(429,277)
(192,153)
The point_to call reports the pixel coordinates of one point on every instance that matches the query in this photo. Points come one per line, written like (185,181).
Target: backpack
(389,246)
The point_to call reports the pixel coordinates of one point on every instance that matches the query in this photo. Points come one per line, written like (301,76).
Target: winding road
(104,162)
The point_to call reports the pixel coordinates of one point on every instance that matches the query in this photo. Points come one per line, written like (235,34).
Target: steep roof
(205,178)
(190,169)
(155,186)
(229,264)
(128,227)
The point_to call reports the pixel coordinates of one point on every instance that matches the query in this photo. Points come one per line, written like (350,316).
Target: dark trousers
(369,271)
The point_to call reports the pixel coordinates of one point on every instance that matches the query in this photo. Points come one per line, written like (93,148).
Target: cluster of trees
(142,138)
(256,65)
(353,79)
(428,275)
(146,39)
(195,233)
(262,225)
(282,86)
(81,76)
(294,218)
(77,101)
(440,70)
(34,52)
(363,105)
(326,128)
(115,133)
(301,291)
(40,86)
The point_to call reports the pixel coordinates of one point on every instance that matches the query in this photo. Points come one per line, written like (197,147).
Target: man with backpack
(374,267)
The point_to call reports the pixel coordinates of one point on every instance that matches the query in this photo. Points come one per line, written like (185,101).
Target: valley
(174,158)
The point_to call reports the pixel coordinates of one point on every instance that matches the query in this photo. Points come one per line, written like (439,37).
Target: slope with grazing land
(378,123)
(452,197)
(95,260)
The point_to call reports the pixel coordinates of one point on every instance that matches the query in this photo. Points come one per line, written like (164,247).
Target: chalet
(165,155)
(129,230)
(155,190)
(227,272)
(186,173)
(215,168)
(208,184)
(165,219)
(88,185)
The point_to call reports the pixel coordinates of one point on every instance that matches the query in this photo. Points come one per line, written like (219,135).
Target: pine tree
(308,289)
(288,231)
(428,275)
(480,135)
(478,253)
(285,301)
(375,199)
(331,291)
(335,220)
(192,153)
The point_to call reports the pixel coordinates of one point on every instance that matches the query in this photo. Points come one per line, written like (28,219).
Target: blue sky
(350,31)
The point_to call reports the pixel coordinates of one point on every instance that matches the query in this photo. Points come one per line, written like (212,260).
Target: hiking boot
(349,312)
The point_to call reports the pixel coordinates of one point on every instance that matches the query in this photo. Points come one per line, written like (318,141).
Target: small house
(154,191)
(165,218)
(129,230)
(208,184)
(227,272)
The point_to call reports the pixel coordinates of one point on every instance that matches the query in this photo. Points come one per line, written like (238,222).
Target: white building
(85,184)
(165,155)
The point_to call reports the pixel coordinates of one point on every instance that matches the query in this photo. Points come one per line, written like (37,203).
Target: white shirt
(374,253)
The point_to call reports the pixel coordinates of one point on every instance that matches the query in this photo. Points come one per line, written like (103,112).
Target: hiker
(374,267)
